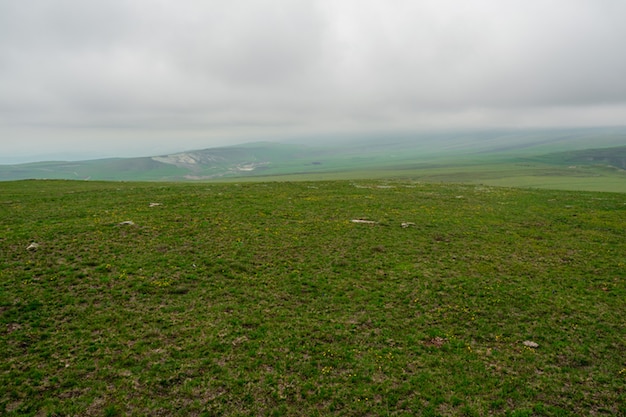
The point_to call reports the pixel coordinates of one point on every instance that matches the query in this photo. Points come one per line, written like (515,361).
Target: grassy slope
(526,158)
(264,299)
(116,169)
(508,172)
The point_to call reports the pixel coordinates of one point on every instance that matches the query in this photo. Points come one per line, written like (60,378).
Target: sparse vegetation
(265,299)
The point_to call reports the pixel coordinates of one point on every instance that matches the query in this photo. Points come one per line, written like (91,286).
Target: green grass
(265,299)
(511,172)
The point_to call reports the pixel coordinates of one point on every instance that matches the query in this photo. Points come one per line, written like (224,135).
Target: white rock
(127,223)
(530,344)
(33,246)
(363,221)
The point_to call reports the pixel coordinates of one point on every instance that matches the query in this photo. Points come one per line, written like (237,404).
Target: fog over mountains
(345,154)
(86,80)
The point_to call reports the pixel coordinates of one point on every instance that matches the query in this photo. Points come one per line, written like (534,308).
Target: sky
(89,79)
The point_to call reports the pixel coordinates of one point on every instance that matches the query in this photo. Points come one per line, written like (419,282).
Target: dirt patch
(435,342)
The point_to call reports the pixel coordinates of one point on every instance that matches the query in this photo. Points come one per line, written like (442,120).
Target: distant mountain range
(373,152)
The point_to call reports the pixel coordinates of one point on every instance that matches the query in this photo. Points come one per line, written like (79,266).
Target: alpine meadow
(314,208)
(349,297)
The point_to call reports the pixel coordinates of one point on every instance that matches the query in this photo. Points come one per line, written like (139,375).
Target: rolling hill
(496,156)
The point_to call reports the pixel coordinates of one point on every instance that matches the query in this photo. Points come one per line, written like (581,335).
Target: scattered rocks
(530,344)
(33,246)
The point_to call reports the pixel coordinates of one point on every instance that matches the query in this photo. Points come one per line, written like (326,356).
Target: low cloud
(221,71)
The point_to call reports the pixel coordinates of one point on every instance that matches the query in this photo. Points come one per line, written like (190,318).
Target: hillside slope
(465,156)
(615,157)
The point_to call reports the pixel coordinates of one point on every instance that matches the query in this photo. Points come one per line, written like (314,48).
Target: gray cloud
(221,71)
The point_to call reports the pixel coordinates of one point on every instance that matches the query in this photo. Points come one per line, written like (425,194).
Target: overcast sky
(142,77)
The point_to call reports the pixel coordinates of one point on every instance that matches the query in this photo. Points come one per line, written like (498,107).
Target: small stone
(155,204)
(407,224)
(33,246)
(530,344)
(363,221)
(127,223)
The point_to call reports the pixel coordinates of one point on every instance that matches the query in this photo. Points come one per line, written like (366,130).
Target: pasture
(267,299)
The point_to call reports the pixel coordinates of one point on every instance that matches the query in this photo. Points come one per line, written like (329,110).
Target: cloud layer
(189,72)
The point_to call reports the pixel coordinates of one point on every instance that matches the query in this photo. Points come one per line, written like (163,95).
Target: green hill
(615,157)
(120,169)
(526,158)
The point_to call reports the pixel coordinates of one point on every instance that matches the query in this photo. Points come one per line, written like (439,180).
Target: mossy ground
(265,299)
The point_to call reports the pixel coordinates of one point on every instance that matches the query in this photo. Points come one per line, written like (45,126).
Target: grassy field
(508,173)
(266,299)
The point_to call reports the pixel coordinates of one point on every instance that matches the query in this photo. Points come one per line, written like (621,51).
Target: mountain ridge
(350,154)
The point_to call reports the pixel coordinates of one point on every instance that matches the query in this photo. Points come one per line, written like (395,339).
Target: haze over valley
(555,158)
(92,80)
